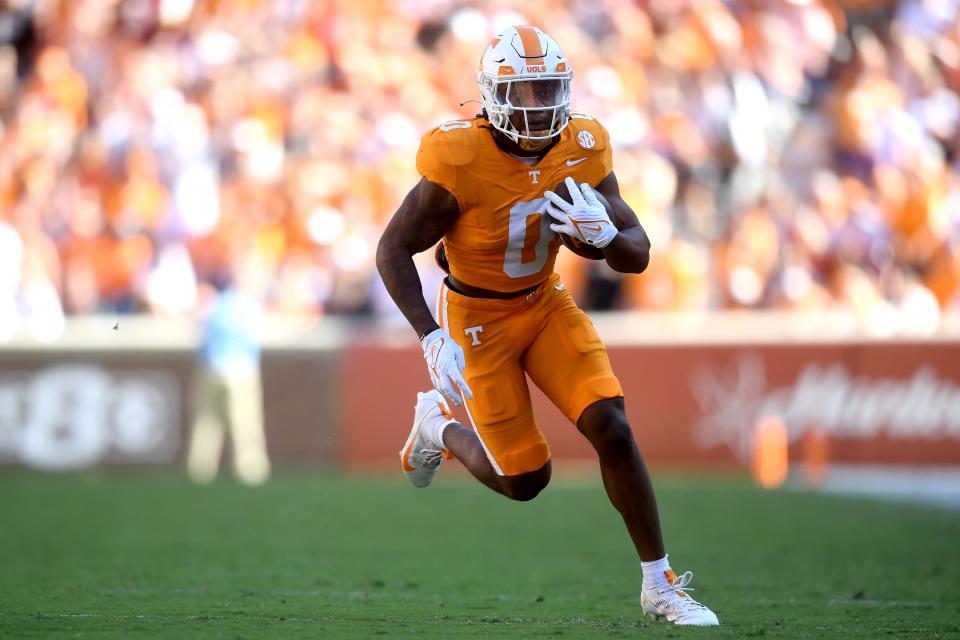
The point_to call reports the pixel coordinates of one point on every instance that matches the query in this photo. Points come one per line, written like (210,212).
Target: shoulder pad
(581,122)
(453,142)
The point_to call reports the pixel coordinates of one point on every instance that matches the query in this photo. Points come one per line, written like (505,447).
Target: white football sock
(653,573)
(440,430)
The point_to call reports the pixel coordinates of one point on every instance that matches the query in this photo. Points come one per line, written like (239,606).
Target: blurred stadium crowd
(796,154)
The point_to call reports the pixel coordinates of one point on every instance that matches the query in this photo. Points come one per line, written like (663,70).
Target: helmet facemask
(530,111)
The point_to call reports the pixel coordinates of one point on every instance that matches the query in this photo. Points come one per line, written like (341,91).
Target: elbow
(643,260)
(632,254)
(391,255)
(633,265)
(643,256)
(636,263)
(383,256)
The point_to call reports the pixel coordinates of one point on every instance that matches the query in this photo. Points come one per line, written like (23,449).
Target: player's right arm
(423,218)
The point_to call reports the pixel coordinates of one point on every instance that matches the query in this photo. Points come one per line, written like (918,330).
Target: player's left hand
(585,218)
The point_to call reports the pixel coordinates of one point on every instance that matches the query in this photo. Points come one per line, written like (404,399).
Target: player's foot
(422,454)
(674,604)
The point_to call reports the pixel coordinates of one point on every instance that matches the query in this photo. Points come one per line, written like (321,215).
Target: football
(580,248)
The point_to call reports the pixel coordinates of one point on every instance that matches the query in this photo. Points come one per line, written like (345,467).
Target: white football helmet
(523,71)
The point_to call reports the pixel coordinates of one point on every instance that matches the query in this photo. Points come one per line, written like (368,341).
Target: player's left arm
(630,250)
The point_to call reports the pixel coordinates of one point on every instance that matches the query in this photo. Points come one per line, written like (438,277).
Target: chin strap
(532,145)
(503,140)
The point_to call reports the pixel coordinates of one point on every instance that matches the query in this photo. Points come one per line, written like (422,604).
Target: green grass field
(130,555)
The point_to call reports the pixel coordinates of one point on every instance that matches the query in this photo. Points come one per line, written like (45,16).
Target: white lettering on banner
(63,422)
(828,397)
(73,416)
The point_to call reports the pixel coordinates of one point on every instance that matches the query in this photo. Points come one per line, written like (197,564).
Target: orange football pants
(544,335)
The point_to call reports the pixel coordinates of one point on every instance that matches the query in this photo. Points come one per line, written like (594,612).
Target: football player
(503,314)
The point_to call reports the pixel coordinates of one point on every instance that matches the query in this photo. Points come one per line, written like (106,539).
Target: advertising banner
(69,416)
(72,410)
(693,405)
(895,403)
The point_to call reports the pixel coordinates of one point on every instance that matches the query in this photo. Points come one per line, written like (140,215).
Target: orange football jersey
(502,240)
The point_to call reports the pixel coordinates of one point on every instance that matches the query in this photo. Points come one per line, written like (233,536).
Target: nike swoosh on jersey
(570,163)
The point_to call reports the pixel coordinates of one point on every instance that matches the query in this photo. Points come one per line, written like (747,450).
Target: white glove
(445,363)
(585,218)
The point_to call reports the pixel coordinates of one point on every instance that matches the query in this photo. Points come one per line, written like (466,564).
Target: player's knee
(605,424)
(525,492)
(528,486)
(616,439)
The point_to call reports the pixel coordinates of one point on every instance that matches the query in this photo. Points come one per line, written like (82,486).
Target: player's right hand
(445,363)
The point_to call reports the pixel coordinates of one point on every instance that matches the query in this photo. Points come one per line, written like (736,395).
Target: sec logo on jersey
(586,140)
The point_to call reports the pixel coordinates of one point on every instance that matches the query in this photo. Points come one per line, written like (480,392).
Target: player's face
(532,93)
(525,96)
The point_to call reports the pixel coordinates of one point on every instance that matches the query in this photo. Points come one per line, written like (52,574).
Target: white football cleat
(422,454)
(674,604)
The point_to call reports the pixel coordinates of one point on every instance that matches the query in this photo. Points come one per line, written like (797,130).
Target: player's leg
(625,477)
(628,485)
(465,446)
(569,362)
(436,434)
(505,449)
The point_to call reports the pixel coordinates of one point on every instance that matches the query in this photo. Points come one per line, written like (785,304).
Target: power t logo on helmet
(525,85)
